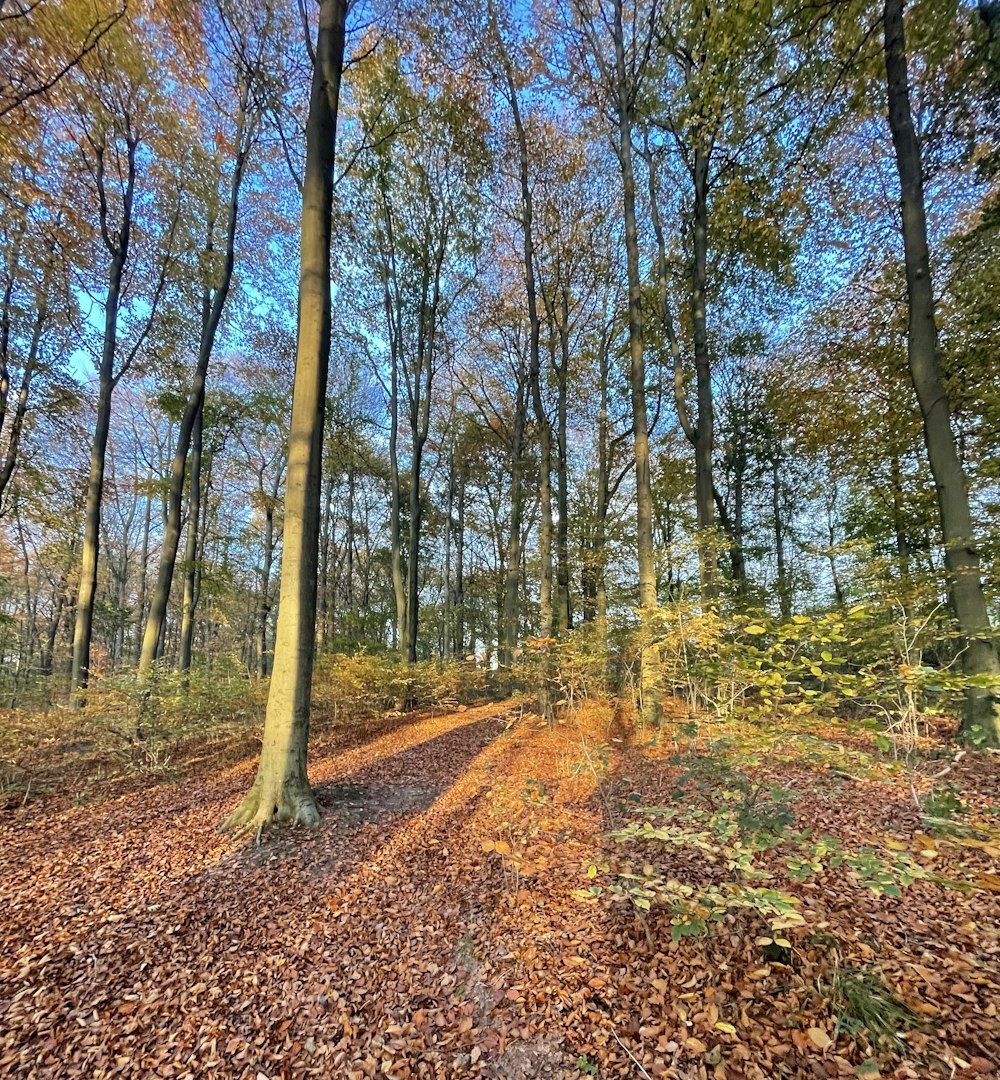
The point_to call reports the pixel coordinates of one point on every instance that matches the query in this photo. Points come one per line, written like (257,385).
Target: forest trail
(429,928)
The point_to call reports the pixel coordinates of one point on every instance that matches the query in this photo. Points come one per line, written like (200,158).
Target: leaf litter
(432,927)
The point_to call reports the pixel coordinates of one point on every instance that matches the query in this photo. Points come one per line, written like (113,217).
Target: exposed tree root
(289,801)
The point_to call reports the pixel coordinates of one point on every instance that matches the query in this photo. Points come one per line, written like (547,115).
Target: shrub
(367,685)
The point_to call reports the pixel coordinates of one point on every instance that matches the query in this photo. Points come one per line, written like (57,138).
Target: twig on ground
(638,1063)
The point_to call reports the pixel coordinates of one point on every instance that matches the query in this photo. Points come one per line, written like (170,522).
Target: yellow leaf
(756,629)
(819,1038)
(727,1028)
(502,847)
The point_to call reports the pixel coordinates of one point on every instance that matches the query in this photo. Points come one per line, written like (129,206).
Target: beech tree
(281,789)
(982,716)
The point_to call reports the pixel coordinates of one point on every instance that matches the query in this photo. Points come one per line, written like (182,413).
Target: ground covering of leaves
(431,926)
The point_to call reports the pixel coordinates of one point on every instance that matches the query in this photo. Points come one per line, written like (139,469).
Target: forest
(499,539)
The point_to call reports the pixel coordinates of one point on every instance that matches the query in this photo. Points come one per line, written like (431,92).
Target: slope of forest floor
(433,926)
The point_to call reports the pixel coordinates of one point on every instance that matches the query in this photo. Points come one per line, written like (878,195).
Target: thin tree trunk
(413,554)
(564,603)
(982,715)
(281,789)
(264,603)
(84,625)
(189,600)
(534,374)
(328,540)
(460,568)
(140,608)
(509,609)
(212,306)
(447,640)
(649,676)
(705,428)
(784,587)
(21,406)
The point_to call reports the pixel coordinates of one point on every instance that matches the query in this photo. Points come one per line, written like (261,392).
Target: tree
(621,74)
(281,789)
(245,67)
(116,118)
(980,660)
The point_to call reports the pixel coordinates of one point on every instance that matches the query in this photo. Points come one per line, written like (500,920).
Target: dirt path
(427,928)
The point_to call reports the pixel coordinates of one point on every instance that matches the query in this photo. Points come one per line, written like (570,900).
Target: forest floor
(432,926)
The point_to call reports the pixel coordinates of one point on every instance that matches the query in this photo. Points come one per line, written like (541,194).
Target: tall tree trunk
(395,514)
(413,555)
(705,427)
(281,789)
(460,568)
(691,428)
(119,249)
(328,559)
(264,603)
(564,602)
(212,305)
(21,405)
(140,607)
(189,600)
(649,676)
(349,541)
(447,640)
(509,619)
(982,714)
(784,585)
(534,361)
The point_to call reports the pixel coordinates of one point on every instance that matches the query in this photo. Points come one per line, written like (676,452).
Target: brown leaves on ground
(428,927)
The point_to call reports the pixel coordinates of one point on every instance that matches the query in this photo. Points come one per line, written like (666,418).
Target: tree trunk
(982,715)
(84,625)
(705,427)
(21,406)
(564,611)
(328,543)
(447,640)
(649,675)
(460,568)
(281,789)
(212,306)
(140,607)
(509,613)
(413,556)
(190,597)
(395,500)
(264,604)
(534,363)
(784,586)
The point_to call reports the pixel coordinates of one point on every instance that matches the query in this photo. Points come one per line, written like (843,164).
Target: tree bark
(705,427)
(534,360)
(649,675)
(564,601)
(784,585)
(982,715)
(119,248)
(281,789)
(189,601)
(212,305)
